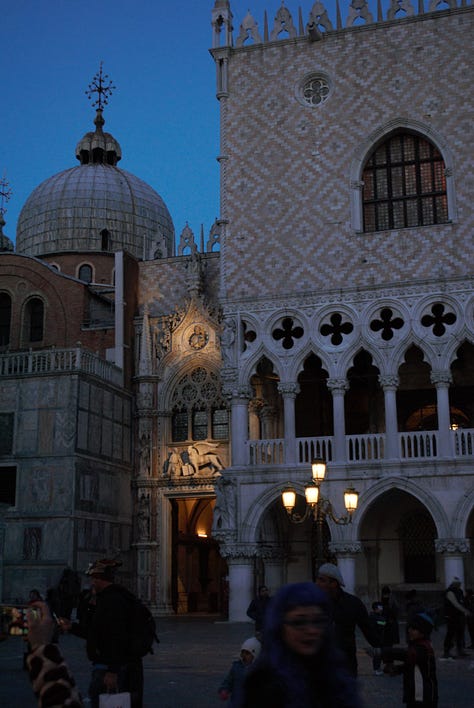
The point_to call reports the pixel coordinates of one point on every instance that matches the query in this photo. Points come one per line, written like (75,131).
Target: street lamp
(317,506)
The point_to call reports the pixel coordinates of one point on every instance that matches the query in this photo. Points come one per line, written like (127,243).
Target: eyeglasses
(301,622)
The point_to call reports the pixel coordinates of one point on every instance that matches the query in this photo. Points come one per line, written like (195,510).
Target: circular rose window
(314,90)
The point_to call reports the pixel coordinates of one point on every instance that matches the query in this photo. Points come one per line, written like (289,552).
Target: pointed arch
(376,489)
(380,135)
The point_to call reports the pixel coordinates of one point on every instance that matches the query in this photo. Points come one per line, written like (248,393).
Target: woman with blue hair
(299,666)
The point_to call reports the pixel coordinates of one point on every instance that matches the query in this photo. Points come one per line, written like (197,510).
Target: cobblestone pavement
(194,654)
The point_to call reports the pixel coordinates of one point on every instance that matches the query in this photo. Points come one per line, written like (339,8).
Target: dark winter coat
(234,682)
(108,628)
(348,612)
(420,684)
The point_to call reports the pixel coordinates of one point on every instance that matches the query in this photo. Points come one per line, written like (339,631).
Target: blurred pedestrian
(347,612)
(420,684)
(455,613)
(51,679)
(299,665)
(413,606)
(378,623)
(69,587)
(232,685)
(392,632)
(107,631)
(469,603)
(258,607)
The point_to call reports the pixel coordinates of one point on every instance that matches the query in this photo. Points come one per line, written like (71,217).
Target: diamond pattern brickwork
(287,193)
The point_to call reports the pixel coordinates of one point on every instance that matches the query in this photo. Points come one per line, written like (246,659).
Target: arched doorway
(398,536)
(290,552)
(198,582)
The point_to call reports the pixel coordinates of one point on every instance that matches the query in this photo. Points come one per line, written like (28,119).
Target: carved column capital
(337,385)
(441,378)
(289,389)
(235,553)
(345,548)
(389,381)
(452,545)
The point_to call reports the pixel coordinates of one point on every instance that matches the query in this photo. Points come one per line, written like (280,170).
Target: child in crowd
(233,683)
(378,622)
(420,685)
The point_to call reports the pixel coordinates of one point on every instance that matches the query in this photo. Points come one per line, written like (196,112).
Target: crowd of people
(303,654)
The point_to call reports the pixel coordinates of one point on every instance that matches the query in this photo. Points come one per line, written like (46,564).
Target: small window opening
(5,318)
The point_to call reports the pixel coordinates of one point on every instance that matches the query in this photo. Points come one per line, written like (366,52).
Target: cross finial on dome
(5,193)
(102,85)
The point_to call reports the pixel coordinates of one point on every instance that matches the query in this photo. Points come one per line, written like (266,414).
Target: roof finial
(5,193)
(101,85)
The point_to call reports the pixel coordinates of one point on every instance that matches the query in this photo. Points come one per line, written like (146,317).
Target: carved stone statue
(143,518)
(173,466)
(203,458)
(145,456)
(228,341)
(224,508)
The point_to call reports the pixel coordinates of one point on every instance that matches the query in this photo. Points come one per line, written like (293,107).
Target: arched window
(404,184)
(34,319)
(5,318)
(85,273)
(105,240)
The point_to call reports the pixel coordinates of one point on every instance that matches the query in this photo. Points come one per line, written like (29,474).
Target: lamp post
(318,507)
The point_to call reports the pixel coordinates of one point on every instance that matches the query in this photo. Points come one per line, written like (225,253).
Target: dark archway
(199,574)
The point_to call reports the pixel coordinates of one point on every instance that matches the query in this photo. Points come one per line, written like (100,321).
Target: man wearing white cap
(348,612)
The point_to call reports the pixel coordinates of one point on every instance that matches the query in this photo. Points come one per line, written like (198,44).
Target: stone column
(338,388)
(163,560)
(346,552)
(453,551)
(289,391)
(274,559)
(239,426)
(442,379)
(240,561)
(390,385)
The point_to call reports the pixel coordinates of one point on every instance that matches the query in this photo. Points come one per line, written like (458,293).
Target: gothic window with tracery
(199,409)
(404,184)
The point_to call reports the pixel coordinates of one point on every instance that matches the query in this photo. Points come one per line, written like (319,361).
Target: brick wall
(288,184)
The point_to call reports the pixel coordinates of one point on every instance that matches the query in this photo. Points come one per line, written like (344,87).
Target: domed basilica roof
(95,207)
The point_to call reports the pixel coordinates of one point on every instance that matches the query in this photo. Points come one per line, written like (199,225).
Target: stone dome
(95,207)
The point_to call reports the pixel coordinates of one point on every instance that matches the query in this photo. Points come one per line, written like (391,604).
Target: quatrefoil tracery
(386,324)
(287,333)
(336,329)
(438,319)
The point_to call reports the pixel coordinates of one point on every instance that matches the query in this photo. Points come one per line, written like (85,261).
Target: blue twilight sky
(163,112)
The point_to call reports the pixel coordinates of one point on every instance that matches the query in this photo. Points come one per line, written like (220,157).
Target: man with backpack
(117,635)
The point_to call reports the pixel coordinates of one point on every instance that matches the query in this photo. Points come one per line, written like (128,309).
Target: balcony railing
(49,361)
(423,444)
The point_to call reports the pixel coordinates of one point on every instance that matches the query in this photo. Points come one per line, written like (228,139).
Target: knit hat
(423,623)
(105,567)
(331,571)
(252,645)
